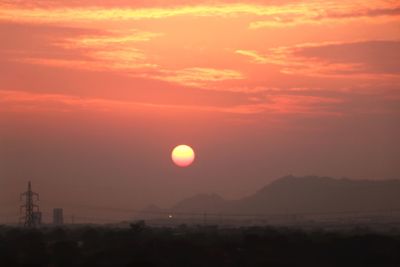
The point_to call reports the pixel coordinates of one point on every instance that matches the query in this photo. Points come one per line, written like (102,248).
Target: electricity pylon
(29,206)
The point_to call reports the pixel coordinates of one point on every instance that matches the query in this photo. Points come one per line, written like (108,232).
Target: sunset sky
(95,94)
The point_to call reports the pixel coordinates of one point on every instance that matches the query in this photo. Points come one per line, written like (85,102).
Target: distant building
(37,218)
(58,217)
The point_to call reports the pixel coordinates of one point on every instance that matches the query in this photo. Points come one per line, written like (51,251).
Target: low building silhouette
(58,216)
(37,218)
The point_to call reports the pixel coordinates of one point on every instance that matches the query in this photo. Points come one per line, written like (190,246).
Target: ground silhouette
(140,245)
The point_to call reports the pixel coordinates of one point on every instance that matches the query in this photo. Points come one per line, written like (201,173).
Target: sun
(182,155)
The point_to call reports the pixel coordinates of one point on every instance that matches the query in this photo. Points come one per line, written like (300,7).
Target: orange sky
(98,92)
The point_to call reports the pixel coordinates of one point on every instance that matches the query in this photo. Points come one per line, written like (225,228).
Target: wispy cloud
(256,57)
(19,101)
(113,51)
(200,76)
(333,13)
(123,14)
(84,50)
(360,58)
(264,14)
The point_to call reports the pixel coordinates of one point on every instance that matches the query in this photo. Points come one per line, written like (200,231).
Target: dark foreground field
(196,246)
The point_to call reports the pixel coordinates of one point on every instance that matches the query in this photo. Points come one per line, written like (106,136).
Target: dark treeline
(192,246)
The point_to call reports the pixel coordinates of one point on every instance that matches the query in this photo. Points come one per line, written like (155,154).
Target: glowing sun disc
(182,155)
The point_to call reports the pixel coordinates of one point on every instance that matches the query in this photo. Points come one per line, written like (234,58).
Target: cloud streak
(200,77)
(265,14)
(124,14)
(370,57)
(277,104)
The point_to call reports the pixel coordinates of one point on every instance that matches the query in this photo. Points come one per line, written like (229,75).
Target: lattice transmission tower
(30,206)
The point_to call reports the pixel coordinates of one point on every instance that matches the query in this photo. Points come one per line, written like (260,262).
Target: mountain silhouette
(309,194)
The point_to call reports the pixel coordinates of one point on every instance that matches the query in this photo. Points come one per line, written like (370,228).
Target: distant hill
(310,194)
